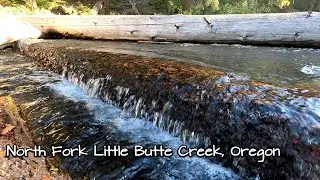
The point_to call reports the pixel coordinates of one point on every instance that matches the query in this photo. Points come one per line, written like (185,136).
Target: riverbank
(14,131)
(203,105)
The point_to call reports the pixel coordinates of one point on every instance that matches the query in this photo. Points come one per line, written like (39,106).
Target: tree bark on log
(293,29)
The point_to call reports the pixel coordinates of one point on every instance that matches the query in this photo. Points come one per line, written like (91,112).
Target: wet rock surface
(14,132)
(195,103)
(60,114)
(56,121)
(48,120)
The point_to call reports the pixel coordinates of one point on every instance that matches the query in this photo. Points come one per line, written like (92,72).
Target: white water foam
(311,70)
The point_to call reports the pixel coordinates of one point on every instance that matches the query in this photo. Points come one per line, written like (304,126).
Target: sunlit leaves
(284,3)
(214,4)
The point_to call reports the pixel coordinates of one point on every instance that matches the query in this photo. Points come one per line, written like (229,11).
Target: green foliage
(204,7)
(306,5)
(248,6)
(155,7)
(16,6)
(212,4)
(14,10)
(12,3)
(174,7)
(81,9)
(45,4)
(168,6)
(284,3)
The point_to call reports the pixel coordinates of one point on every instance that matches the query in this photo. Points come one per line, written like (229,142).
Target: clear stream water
(47,96)
(62,113)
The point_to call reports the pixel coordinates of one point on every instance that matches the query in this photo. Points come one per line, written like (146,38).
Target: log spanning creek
(125,110)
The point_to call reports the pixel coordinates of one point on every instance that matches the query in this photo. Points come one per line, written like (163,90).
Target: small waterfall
(136,107)
(61,114)
(238,112)
(128,107)
(120,131)
(139,111)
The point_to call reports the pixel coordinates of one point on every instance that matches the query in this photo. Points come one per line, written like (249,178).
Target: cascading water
(134,107)
(145,133)
(286,104)
(161,110)
(62,114)
(290,106)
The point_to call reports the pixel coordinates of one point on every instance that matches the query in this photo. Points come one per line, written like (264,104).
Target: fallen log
(12,30)
(292,29)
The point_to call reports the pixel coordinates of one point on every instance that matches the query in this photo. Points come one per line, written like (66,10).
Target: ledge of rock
(203,105)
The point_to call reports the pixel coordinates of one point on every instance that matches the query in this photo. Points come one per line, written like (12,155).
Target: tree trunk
(98,6)
(295,29)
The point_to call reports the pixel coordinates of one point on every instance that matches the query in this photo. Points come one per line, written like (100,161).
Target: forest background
(167,7)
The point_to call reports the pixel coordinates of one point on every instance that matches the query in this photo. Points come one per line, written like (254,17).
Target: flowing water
(62,114)
(65,111)
(270,64)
